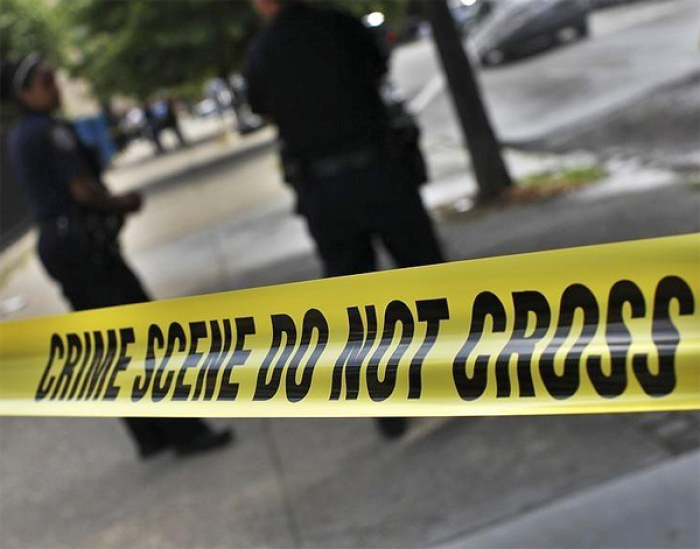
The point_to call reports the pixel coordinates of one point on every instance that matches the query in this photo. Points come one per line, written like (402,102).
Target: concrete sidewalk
(656,507)
(211,142)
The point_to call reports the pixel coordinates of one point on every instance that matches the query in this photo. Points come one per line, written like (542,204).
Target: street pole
(489,168)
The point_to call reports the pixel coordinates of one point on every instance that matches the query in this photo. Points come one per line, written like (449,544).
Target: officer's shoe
(392,427)
(203,442)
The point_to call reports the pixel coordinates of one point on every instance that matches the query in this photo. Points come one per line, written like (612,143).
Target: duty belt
(330,166)
(59,225)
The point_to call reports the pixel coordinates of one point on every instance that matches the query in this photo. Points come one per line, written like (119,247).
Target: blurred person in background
(151,128)
(164,117)
(316,73)
(79,223)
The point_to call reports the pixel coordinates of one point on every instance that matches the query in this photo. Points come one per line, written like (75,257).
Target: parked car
(469,13)
(513,28)
(602,4)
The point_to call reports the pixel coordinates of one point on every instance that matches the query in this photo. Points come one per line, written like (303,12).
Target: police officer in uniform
(79,222)
(316,73)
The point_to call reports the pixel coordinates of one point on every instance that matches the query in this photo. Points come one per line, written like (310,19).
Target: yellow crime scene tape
(609,328)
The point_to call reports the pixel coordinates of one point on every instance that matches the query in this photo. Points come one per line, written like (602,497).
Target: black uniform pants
(348,212)
(105,280)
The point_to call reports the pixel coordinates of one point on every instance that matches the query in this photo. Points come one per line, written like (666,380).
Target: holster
(404,142)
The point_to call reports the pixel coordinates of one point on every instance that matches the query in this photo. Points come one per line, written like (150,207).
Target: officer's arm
(255,86)
(86,191)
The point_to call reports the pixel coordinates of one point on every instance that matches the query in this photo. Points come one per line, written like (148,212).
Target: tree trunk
(489,169)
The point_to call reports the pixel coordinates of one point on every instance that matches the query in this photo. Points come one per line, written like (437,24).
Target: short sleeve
(46,160)
(65,161)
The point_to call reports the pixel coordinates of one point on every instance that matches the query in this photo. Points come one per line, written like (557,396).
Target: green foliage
(568,178)
(141,46)
(137,47)
(28,26)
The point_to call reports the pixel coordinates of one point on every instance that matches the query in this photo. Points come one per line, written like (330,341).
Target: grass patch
(694,184)
(529,189)
(572,177)
(547,184)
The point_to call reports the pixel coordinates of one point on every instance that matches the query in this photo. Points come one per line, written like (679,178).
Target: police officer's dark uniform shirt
(46,158)
(316,73)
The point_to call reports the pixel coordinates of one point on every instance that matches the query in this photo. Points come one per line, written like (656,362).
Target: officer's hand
(132,202)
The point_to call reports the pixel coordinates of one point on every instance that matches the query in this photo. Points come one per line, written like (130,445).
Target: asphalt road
(632,51)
